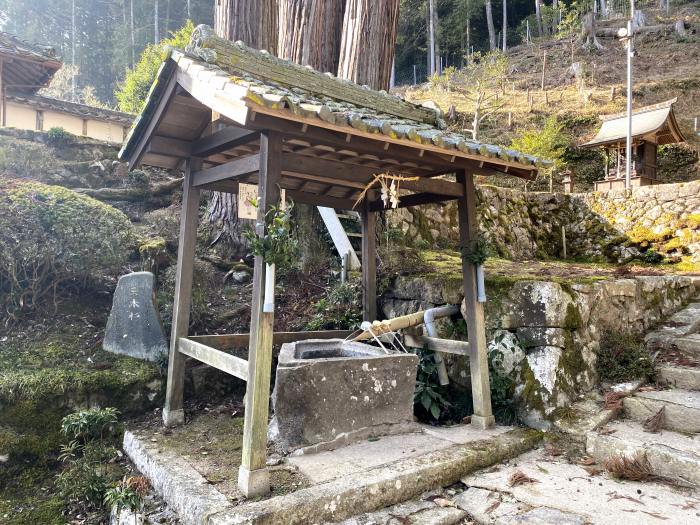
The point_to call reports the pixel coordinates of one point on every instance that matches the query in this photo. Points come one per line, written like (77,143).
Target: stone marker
(134,327)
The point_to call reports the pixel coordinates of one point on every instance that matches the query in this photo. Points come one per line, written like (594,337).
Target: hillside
(665,66)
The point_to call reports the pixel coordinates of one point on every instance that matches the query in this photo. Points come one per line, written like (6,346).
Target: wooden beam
(173,413)
(278,338)
(369,263)
(253,478)
(415,199)
(169,147)
(320,200)
(476,327)
(235,169)
(337,139)
(435,344)
(222,140)
(320,132)
(216,358)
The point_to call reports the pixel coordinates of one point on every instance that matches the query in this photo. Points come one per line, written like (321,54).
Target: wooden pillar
(369,262)
(478,362)
(173,413)
(253,477)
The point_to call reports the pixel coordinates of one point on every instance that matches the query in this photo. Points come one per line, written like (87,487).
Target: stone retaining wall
(607,226)
(547,333)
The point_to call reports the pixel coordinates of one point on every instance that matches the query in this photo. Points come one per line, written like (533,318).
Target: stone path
(674,450)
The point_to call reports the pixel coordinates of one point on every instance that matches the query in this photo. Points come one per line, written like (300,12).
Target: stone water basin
(329,392)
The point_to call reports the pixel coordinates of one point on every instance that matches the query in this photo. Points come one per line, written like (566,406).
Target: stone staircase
(674,450)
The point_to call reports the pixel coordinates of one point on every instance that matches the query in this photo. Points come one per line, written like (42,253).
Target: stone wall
(547,333)
(612,226)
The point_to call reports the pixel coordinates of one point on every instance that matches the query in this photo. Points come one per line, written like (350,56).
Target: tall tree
(505,26)
(255,23)
(310,32)
(538,15)
(369,37)
(432,43)
(252,21)
(489,23)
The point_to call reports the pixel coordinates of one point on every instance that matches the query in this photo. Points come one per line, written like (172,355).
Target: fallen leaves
(655,422)
(519,478)
(616,495)
(633,468)
(613,401)
(552,450)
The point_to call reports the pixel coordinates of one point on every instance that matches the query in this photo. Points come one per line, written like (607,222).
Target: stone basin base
(329,392)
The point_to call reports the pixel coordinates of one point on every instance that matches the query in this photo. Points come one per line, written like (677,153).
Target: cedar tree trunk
(310,32)
(492,30)
(367,46)
(255,23)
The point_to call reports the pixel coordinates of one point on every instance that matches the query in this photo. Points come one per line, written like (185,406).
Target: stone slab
(134,327)
(340,498)
(566,494)
(679,377)
(413,513)
(380,487)
(174,479)
(681,413)
(359,457)
(670,454)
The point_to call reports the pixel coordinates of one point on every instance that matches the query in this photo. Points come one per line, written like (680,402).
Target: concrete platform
(352,480)
(682,408)
(670,454)
(565,494)
(359,457)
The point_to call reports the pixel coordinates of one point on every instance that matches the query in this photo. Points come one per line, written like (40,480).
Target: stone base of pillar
(253,483)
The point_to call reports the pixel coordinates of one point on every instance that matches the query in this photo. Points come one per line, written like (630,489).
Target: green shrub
(58,136)
(132,93)
(52,238)
(339,310)
(623,357)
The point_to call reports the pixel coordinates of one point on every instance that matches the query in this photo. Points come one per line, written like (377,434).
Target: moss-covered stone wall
(613,226)
(548,332)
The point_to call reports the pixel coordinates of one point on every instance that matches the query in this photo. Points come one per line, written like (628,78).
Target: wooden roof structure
(26,67)
(325,126)
(655,124)
(230,115)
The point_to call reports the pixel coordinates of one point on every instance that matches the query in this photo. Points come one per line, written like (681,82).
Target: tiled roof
(10,44)
(81,110)
(243,81)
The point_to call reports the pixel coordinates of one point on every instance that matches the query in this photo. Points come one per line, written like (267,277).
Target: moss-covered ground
(446,264)
(51,364)
(211,442)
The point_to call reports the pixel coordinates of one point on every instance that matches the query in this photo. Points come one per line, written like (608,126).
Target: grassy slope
(665,67)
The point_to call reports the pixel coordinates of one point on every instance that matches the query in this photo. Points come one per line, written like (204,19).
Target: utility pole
(189,13)
(72,60)
(431,29)
(630,54)
(156,38)
(131,30)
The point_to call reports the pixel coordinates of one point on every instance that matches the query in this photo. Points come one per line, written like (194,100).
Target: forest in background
(105,37)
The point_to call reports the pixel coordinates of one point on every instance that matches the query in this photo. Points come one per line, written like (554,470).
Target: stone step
(683,377)
(682,408)
(688,345)
(670,454)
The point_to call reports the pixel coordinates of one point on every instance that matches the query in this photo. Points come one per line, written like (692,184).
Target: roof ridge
(644,109)
(230,56)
